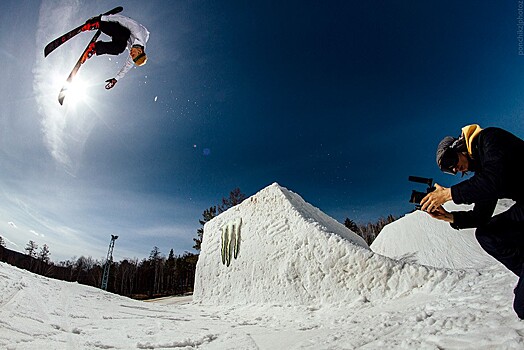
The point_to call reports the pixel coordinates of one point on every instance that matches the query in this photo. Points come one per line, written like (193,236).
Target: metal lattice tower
(109,260)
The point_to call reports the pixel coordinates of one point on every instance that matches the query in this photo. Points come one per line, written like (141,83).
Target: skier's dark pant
(119,36)
(503,238)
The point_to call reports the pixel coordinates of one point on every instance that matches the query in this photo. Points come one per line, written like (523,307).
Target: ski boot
(91,50)
(92,24)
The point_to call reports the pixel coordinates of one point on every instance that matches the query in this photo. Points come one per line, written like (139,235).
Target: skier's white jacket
(139,36)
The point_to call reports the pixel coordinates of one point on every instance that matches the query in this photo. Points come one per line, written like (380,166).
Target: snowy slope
(41,313)
(419,238)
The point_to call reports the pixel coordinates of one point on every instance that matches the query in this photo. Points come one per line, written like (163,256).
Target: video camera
(417,196)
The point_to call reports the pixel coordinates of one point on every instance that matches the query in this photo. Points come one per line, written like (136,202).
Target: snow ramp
(276,248)
(417,237)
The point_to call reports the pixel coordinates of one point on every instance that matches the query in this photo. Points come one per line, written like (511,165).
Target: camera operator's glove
(110,83)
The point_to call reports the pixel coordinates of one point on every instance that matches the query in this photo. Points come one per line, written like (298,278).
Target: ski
(72,33)
(80,61)
(59,41)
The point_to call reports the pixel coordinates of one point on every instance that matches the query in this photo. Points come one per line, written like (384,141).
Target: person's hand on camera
(441,214)
(435,199)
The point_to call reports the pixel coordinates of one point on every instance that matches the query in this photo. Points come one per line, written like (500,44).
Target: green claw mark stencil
(230,240)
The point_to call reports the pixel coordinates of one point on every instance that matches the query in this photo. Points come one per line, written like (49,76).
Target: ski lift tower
(109,260)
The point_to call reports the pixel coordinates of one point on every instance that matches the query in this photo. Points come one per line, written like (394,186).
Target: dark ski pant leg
(503,238)
(119,35)
(518,302)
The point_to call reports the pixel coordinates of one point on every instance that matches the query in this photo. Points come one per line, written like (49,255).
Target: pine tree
(170,271)
(235,197)
(350,224)
(31,249)
(44,254)
(2,242)
(370,230)
(207,216)
(157,265)
(155,254)
(186,267)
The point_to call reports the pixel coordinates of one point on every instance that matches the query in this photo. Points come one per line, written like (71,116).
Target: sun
(74,92)
(77,91)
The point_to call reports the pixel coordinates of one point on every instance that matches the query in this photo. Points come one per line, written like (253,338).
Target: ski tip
(61,97)
(114,11)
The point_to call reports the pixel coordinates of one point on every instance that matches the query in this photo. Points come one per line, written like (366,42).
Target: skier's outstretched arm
(127,66)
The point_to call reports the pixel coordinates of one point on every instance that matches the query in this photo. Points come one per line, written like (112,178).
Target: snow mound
(276,248)
(417,237)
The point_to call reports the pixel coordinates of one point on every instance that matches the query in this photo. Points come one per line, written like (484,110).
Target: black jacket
(497,156)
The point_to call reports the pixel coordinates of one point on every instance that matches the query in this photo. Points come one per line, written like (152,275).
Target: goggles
(140,55)
(448,162)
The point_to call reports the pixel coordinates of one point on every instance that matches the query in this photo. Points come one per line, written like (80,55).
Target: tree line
(150,277)
(371,230)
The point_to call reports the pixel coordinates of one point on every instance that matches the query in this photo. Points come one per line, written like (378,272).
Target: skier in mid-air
(125,33)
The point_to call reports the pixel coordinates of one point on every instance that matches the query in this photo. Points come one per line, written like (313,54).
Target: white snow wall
(291,252)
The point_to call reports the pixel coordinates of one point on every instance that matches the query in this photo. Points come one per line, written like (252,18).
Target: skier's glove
(110,83)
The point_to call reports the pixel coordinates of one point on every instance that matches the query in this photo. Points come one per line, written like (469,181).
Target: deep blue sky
(339,101)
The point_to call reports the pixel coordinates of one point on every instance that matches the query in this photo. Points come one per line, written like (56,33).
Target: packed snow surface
(277,273)
(419,238)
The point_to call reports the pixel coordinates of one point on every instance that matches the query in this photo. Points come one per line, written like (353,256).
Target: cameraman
(495,156)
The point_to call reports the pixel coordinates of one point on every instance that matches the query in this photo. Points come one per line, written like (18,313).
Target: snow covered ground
(296,280)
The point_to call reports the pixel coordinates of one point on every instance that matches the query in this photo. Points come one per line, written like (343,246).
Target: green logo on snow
(230,240)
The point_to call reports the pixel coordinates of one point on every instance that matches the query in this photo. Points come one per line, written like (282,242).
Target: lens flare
(76,91)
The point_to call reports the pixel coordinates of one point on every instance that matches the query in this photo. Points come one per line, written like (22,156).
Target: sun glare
(76,92)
